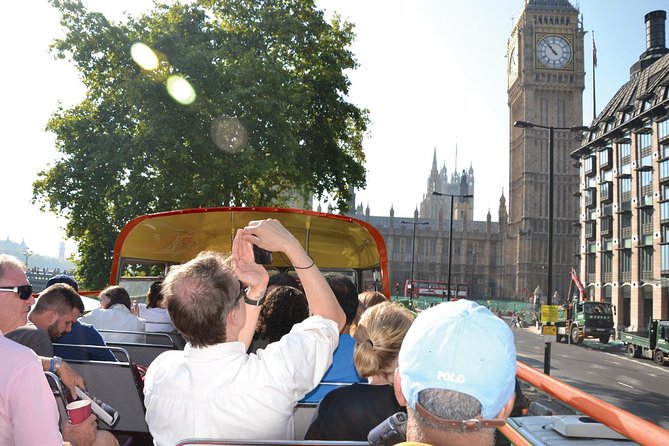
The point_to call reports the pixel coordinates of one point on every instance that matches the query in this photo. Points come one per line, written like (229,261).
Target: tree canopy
(270,86)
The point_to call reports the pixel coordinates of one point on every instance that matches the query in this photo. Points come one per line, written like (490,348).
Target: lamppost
(549,281)
(450,237)
(413,246)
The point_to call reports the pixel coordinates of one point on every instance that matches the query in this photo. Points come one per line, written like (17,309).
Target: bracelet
(305,267)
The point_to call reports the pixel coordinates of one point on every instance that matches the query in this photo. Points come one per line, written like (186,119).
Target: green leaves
(130,148)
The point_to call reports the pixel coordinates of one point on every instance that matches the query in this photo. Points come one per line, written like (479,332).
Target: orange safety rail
(631,426)
(513,436)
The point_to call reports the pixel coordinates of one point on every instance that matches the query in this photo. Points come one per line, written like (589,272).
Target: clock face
(513,63)
(553,52)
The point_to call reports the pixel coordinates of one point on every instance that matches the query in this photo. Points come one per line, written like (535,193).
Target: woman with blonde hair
(350,412)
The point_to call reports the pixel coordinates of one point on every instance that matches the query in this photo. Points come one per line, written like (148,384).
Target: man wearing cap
(456,375)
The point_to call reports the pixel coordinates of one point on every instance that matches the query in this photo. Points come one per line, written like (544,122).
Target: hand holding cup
(78,411)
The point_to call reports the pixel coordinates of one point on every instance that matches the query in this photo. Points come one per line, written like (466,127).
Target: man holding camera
(213,389)
(456,375)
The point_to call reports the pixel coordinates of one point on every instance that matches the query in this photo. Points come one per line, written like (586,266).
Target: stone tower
(545,87)
(455,183)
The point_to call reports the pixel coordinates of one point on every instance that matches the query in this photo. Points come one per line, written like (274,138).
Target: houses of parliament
(477,247)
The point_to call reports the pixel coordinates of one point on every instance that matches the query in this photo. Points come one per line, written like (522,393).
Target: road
(637,385)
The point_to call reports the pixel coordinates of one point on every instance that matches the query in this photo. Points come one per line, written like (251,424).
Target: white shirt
(221,392)
(116,317)
(156,319)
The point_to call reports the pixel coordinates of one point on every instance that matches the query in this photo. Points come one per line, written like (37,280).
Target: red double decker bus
(435,289)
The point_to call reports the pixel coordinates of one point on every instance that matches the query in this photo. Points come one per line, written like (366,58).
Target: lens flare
(229,134)
(144,56)
(180,89)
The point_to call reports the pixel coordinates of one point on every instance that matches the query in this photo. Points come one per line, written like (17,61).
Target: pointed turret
(433,180)
(503,216)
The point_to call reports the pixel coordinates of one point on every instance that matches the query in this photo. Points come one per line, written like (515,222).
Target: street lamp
(549,281)
(450,237)
(413,246)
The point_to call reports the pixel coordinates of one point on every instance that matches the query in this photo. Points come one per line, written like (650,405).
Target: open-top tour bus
(148,245)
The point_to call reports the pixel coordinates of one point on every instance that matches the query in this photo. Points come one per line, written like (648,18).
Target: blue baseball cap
(63,278)
(459,346)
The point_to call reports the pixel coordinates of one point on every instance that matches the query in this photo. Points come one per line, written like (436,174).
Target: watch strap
(256,302)
(54,364)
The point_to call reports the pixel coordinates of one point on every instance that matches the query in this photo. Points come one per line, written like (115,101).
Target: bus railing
(631,426)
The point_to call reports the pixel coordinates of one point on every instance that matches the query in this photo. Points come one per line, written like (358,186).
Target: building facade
(477,245)
(546,79)
(624,191)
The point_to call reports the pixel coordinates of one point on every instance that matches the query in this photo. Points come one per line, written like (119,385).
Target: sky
(432,74)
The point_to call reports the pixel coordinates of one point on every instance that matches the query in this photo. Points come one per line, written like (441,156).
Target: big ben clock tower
(545,73)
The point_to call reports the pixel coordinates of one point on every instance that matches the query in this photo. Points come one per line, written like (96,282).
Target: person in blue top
(342,369)
(81,334)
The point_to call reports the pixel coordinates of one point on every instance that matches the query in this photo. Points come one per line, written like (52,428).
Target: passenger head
(370,298)
(13,309)
(154,297)
(367,299)
(378,339)
(457,362)
(113,295)
(9,264)
(282,279)
(346,294)
(63,278)
(284,307)
(57,308)
(199,295)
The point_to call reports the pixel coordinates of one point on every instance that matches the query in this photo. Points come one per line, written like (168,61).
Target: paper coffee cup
(78,411)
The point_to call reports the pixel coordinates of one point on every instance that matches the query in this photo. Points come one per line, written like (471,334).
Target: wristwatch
(256,302)
(54,364)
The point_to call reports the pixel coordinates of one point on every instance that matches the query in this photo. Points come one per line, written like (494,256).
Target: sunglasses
(24,291)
